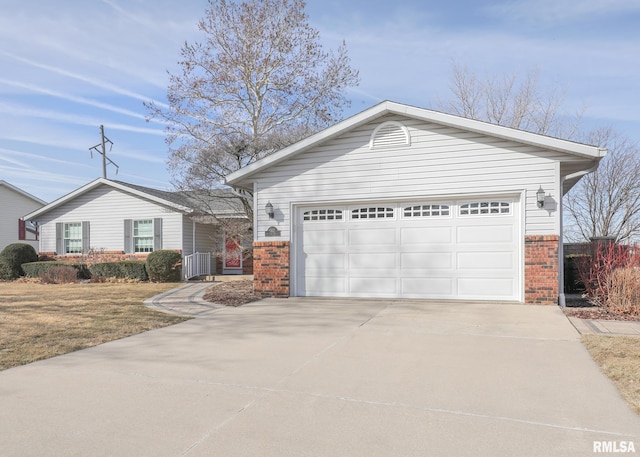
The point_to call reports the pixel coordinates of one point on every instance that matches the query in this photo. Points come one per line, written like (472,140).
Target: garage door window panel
(322,215)
(432,210)
(485,208)
(372,212)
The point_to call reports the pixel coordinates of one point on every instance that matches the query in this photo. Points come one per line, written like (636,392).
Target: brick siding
(271,268)
(541,269)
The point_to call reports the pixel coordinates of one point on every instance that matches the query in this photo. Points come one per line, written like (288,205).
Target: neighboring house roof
(21,192)
(592,154)
(220,202)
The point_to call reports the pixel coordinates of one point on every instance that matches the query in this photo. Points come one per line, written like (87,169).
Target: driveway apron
(325,377)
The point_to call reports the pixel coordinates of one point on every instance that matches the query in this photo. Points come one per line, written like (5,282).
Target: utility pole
(102,150)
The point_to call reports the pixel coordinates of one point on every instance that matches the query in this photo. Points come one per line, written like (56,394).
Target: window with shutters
(73,238)
(426,211)
(325,214)
(143,235)
(485,208)
(372,212)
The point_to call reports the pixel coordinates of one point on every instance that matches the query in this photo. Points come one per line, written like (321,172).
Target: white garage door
(463,249)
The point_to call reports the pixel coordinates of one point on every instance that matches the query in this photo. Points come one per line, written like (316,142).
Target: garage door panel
(410,236)
(324,262)
(325,238)
(372,286)
(368,261)
(426,261)
(325,286)
(372,236)
(431,287)
(485,287)
(485,260)
(502,233)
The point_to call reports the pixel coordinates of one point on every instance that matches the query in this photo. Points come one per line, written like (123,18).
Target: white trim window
(143,235)
(431,210)
(324,214)
(485,208)
(73,238)
(372,212)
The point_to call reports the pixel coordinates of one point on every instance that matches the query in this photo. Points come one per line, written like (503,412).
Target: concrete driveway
(320,377)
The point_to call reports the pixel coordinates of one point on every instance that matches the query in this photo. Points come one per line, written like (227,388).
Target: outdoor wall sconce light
(269,209)
(540,197)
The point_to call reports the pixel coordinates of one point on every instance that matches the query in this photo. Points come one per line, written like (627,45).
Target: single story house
(14,202)
(107,220)
(399,201)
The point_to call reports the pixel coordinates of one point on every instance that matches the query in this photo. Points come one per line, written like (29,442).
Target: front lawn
(38,321)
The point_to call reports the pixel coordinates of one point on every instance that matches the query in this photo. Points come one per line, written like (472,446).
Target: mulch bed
(232,293)
(582,308)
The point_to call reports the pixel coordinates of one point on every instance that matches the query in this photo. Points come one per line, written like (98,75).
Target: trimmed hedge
(6,272)
(35,269)
(14,255)
(130,269)
(164,266)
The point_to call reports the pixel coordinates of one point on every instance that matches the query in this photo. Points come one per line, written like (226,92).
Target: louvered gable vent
(390,133)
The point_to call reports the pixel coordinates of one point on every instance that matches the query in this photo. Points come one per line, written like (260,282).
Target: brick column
(541,269)
(271,268)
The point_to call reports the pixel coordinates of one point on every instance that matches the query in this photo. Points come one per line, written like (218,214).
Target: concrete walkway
(324,377)
(606,327)
(184,301)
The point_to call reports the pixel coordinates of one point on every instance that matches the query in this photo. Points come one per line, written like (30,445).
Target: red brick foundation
(271,268)
(541,269)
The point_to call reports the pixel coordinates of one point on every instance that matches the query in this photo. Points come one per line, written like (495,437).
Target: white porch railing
(198,264)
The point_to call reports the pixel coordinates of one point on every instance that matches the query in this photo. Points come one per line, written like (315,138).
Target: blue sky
(69,66)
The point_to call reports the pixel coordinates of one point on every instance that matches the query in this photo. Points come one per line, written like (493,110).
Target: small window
(73,238)
(372,213)
(322,215)
(426,211)
(143,235)
(481,208)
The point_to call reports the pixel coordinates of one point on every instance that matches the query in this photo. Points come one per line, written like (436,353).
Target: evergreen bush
(14,255)
(164,266)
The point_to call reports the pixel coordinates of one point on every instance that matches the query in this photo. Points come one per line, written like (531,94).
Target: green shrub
(36,269)
(164,266)
(130,269)
(14,255)
(6,272)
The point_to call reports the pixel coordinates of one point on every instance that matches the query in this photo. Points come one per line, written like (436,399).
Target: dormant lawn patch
(38,321)
(619,359)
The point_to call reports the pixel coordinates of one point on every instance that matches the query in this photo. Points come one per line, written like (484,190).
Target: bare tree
(603,203)
(511,101)
(259,81)
(607,201)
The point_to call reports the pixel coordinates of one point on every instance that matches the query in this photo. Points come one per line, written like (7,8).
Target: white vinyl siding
(440,162)
(14,205)
(106,209)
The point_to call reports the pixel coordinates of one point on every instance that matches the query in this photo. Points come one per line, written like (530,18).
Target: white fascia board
(238,177)
(92,185)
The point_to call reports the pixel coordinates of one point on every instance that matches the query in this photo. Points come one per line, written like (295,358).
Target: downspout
(578,174)
(193,239)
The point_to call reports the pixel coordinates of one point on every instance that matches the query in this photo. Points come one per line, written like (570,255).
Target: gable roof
(21,192)
(242,178)
(220,202)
